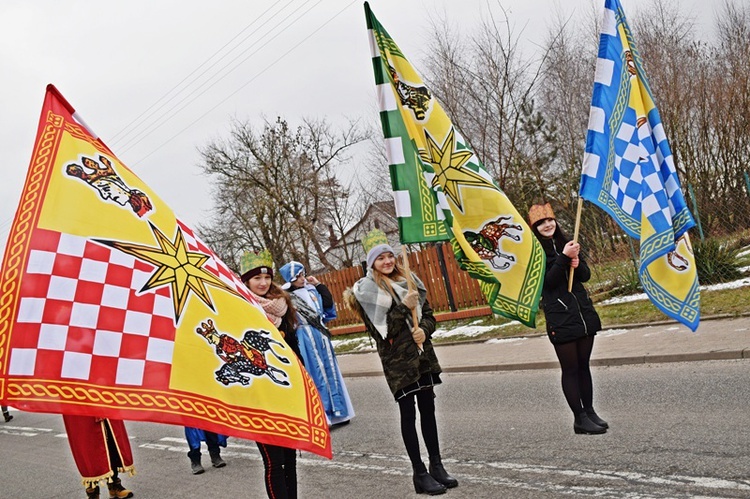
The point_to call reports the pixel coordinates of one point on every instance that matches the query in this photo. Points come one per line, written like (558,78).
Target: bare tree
(703,94)
(283,185)
(487,87)
(372,183)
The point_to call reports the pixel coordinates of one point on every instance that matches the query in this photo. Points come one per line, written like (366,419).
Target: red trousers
(100,447)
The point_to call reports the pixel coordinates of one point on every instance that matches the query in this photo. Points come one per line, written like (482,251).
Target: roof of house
(386,208)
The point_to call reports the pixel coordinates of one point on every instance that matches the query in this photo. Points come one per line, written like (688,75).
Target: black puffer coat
(570,315)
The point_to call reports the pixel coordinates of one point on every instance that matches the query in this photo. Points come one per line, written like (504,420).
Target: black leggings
(280,471)
(114,454)
(426,403)
(576,374)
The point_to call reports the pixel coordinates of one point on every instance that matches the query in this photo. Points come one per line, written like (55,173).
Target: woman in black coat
(572,321)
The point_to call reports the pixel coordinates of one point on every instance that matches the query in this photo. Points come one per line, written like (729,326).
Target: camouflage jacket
(402,363)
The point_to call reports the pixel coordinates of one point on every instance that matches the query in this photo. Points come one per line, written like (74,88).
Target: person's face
(385,263)
(547,227)
(260,284)
(299,281)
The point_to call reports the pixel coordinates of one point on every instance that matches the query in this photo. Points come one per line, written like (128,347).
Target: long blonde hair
(384,281)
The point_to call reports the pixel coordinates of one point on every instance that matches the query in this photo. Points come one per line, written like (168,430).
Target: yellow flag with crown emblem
(113,307)
(490,239)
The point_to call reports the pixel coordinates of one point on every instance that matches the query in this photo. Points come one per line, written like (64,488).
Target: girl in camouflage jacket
(387,306)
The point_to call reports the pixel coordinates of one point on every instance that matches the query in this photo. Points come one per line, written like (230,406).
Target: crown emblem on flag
(374,238)
(252,260)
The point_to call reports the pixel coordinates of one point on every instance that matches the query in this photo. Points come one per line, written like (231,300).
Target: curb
(608,362)
(535,333)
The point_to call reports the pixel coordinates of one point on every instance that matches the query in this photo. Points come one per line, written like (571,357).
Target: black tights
(426,403)
(576,374)
(280,471)
(114,454)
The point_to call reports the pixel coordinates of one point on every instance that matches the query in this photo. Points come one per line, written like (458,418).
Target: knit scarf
(275,308)
(376,301)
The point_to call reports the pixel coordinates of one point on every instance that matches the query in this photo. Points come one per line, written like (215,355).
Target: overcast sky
(120,62)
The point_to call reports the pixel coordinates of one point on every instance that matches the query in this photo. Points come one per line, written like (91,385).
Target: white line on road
(399,465)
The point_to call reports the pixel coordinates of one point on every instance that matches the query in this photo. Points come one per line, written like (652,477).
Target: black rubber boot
(216,460)
(92,492)
(425,484)
(437,471)
(593,416)
(584,425)
(196,467)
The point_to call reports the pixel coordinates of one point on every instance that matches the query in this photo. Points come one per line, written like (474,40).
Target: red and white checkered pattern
(81,316)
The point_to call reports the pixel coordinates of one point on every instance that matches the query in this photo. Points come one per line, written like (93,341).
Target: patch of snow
(612,332)
(352,345)
(623,299)
(468,330)
(506,340)
(745,281)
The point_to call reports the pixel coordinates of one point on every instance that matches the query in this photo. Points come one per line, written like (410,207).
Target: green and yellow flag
(446,181)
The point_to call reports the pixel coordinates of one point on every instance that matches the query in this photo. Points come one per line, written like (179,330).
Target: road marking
(470,471)
(23,431)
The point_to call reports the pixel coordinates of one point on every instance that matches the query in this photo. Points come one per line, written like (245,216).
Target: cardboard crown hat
(375,243)
(256,260)
(375,237)
(540,212)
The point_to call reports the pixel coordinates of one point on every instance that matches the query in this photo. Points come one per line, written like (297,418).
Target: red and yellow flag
(111,306)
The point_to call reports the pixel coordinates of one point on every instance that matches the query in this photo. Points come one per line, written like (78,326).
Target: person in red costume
(101,450)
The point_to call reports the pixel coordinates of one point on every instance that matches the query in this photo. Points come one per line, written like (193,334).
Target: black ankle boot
(584,425)
(424,483)
(437,471)
(593,416)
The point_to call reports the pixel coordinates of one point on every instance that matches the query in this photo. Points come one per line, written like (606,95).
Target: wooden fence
(450,291)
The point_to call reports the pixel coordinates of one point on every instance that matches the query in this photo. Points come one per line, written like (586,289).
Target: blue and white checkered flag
(629,171)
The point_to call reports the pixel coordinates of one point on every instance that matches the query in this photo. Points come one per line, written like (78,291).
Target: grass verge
(716,302)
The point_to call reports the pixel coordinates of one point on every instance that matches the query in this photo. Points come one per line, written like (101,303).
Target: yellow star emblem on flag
(450,171)
(176,266)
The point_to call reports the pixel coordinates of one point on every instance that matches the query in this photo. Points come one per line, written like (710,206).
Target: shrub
(716,261)
(627,282)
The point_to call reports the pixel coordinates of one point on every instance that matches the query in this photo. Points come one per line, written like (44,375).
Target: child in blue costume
(213,440)
(315,308)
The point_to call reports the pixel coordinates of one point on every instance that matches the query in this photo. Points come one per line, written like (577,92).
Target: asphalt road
(677,430)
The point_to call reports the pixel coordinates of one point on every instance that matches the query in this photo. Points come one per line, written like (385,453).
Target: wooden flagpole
(575,239)
(411,285)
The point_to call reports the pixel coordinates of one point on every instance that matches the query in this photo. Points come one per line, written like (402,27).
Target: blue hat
(291,271)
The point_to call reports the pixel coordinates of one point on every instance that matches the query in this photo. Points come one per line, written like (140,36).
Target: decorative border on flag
(57,393)
(16,252)
(657,245)
(686,311)
(615,122)
(523,309)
